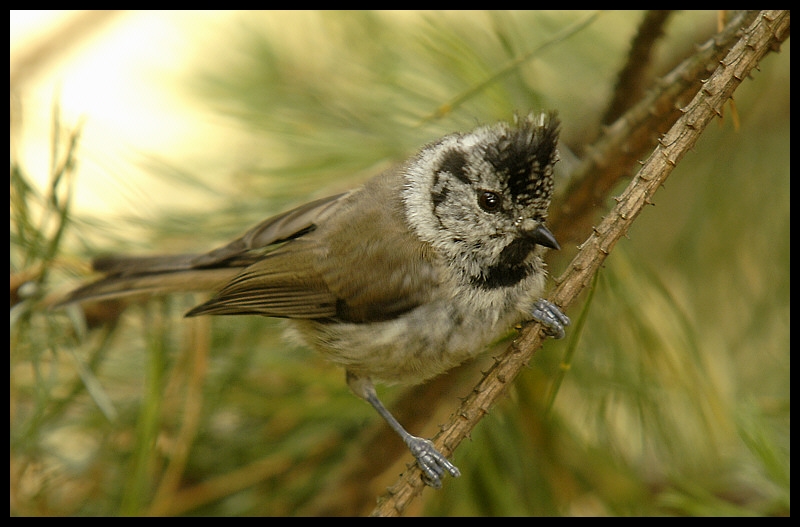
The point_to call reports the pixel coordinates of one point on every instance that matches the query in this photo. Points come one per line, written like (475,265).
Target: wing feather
(361,265)
(351,257)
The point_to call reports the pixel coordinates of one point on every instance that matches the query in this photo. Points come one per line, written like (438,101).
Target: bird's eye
(489,201)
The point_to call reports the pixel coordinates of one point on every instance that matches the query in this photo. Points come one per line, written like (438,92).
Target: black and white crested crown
(523,156)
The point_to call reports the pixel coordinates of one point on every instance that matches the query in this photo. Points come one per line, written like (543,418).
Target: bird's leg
(551,317)
(432,462)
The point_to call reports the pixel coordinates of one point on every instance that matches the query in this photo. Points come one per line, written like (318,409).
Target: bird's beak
(541,235)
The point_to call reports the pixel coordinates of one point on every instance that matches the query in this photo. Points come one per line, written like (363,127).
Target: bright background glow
(124,80)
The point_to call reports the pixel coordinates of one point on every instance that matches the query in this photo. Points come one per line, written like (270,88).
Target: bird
(399,280)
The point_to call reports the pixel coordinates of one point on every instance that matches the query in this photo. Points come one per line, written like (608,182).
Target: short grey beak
(541,235)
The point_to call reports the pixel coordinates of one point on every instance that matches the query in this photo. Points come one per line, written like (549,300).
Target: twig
(632,77)
(633,135)
(765,34)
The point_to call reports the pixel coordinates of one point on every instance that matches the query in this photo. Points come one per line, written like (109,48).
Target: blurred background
(155,132)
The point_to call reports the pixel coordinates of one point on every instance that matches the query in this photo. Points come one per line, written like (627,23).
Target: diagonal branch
(632,78)
(765,34)
(627,140)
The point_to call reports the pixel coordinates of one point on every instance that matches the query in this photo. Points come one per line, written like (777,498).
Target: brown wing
(361,264)
(283,283)
(279,228)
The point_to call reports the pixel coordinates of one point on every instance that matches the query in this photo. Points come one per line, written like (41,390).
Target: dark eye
(489,201)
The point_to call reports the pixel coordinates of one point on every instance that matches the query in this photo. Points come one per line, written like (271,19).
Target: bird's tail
(154,275)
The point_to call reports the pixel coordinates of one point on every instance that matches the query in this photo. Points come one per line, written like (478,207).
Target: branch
(765,34)
(631,136)
(632,77)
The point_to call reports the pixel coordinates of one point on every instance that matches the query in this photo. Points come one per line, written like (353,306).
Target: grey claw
(551,317)
(432,462)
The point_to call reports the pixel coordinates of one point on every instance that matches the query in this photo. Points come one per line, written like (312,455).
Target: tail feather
(126,265)
(126,276)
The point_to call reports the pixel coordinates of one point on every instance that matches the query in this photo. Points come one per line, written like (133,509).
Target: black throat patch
(511,268)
